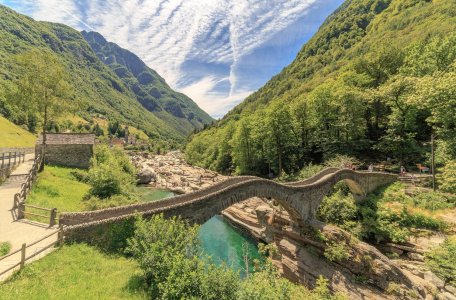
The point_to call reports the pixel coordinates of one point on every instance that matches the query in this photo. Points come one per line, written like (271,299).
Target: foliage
(442,260)
(374,82)
(168,253)
(447,180)
(338,209)
(111,173)
(78,272)
(386,215)
(43,89)
(5,248)
(336,251)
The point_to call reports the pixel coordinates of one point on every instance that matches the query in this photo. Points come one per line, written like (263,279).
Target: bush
(338,209)
(336,251)
(168,253)
(111,173)
(5,248)
(442,261)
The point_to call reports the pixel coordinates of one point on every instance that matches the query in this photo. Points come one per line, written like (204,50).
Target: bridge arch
(301,199)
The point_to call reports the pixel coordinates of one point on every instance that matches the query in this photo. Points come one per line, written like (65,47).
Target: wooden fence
(25,256)
(25,209)
(8,160)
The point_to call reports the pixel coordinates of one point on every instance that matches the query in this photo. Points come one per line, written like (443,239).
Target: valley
(334,180)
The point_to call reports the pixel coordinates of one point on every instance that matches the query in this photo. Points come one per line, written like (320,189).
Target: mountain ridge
(99,89)
(150,89)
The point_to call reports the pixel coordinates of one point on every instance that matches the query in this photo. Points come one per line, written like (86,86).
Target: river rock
(145,176)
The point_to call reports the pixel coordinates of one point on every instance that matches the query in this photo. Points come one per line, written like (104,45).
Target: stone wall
(77,156)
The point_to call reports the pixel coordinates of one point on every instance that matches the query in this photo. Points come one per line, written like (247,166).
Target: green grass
(76,272)
(58,188)
(12,135)
(5,248)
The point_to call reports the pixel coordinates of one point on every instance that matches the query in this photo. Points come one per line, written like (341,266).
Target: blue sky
(215,51)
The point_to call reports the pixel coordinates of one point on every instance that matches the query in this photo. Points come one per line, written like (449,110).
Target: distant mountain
(103,93)
(150,89)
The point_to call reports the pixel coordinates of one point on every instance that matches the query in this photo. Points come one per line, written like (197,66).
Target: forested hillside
(150,89)
(101,94)
(374,82)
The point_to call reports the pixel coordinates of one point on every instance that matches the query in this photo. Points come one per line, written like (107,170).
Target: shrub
(111,173)
(338,209)
(442,260)
(168,253)
(336,251)
(5,248)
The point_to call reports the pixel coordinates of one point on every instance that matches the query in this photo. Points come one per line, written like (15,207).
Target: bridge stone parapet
(301,199)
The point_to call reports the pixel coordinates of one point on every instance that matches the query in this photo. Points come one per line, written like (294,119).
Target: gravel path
(17,232)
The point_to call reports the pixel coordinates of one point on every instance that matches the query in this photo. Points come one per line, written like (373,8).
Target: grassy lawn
(12,135)
(57,187)
(76,271)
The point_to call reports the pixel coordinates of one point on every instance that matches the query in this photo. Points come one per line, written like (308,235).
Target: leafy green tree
(43,88)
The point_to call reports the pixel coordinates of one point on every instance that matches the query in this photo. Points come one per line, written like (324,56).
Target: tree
(43,88)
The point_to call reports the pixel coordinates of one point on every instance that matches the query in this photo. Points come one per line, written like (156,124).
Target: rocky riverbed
(363,273)
(171,172)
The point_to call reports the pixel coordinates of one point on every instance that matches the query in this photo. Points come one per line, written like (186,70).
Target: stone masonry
(68,149)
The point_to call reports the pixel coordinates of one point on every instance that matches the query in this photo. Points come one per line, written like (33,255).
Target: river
(219,239)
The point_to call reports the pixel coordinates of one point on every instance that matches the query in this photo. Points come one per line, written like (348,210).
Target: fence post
(15,157)
(60,237)
(24,246)
(53,216)
(20,211)
(9,160)
(3,160)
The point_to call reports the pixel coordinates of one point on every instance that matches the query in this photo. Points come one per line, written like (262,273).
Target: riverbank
(352,266)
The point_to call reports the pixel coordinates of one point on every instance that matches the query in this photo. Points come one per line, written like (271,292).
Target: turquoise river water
(219,239)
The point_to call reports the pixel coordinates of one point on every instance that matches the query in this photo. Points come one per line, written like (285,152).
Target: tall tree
(43,88)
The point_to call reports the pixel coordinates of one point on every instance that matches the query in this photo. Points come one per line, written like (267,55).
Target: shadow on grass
(136,285)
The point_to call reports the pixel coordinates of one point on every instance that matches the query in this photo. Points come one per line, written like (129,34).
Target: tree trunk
(43,148)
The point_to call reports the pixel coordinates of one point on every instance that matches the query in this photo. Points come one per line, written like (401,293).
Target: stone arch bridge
(301,199)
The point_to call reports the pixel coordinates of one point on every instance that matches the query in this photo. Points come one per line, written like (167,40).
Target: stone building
(68,149)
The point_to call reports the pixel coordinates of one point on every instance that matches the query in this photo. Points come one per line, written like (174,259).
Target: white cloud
(211,101)
(166,33)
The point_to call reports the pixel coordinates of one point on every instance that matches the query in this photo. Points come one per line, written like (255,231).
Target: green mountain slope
(102,92)
(336,97)
(150,89)
(13,136)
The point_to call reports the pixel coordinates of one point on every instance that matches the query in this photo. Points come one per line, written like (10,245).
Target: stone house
(68,149)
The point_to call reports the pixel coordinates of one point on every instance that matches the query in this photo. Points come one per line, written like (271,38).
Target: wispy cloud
(167,33)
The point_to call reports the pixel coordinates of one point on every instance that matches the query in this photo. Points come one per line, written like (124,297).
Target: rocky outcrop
(359,269)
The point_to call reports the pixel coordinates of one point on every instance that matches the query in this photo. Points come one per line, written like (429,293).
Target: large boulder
(145,176)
